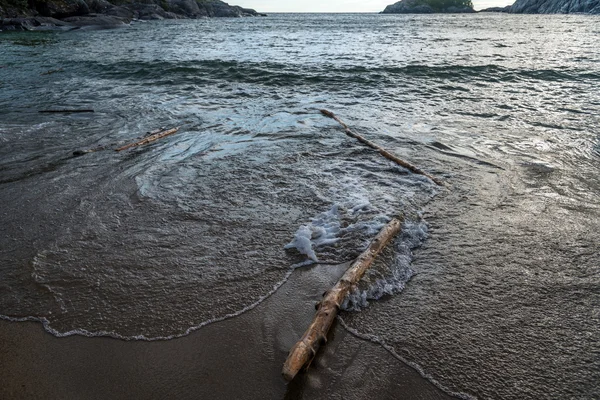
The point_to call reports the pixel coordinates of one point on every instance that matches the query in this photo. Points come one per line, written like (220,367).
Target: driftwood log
(140,140)
(149,139)
(304,351)
(381,150)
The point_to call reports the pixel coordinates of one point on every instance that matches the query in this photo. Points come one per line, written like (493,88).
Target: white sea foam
(350,199)
(354,208)
(322,230)
(412,236)
(367,213)
(83,332)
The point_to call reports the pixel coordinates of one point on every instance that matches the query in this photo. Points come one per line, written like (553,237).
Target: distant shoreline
(102,14)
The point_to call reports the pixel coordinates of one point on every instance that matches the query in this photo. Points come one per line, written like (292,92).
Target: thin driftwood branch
(65,111)
(149,139)
(52,71)
(78,153)
(381,150)
(304,351)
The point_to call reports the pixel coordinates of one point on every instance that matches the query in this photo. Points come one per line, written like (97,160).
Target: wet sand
(239,358)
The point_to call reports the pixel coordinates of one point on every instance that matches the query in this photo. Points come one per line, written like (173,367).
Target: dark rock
(117,12)
(33,24)
(6,11)
(556,7)
(248,12)
(121,12)
(216,8)
(408,7)
(106,8)
(184,7)
(61,9)
(458,10)
(97,21)
(496,9)
(151,12)
(422,7)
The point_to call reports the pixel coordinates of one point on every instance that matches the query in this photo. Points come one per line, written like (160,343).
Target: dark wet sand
(239,358)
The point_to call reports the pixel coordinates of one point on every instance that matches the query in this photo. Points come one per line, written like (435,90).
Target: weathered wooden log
(304,351)
(78,153)
(65,111)
(149,139)
(381,150)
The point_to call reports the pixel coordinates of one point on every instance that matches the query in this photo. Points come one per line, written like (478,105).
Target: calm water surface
(493,289)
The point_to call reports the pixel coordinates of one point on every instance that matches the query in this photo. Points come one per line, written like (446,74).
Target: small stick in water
(381,150)
(52,71)
(78,153)
(65,111)
(149,139)
(305,350)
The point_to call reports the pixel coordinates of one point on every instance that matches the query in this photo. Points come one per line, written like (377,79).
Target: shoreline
(237,358)
(102,14)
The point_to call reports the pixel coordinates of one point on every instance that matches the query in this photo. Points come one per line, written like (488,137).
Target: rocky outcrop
(556,7)
(496,9)
(70,14)
(429,7)
(32,24)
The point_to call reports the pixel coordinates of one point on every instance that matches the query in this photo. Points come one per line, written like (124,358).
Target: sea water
(492,289)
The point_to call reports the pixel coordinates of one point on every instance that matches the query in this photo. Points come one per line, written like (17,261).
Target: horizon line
(352,12)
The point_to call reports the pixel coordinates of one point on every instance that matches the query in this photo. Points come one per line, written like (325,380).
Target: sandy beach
(239,358)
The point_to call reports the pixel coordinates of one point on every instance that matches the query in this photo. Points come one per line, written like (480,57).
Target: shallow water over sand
(503,299)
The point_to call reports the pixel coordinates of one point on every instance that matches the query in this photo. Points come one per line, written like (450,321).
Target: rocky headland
(556,7)
(496,9)
(519,7)
(430,7)
(72,14)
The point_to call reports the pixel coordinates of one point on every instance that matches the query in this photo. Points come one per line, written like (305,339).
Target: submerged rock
(430,7)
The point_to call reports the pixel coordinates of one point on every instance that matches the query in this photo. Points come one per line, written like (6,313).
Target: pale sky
(267,6)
